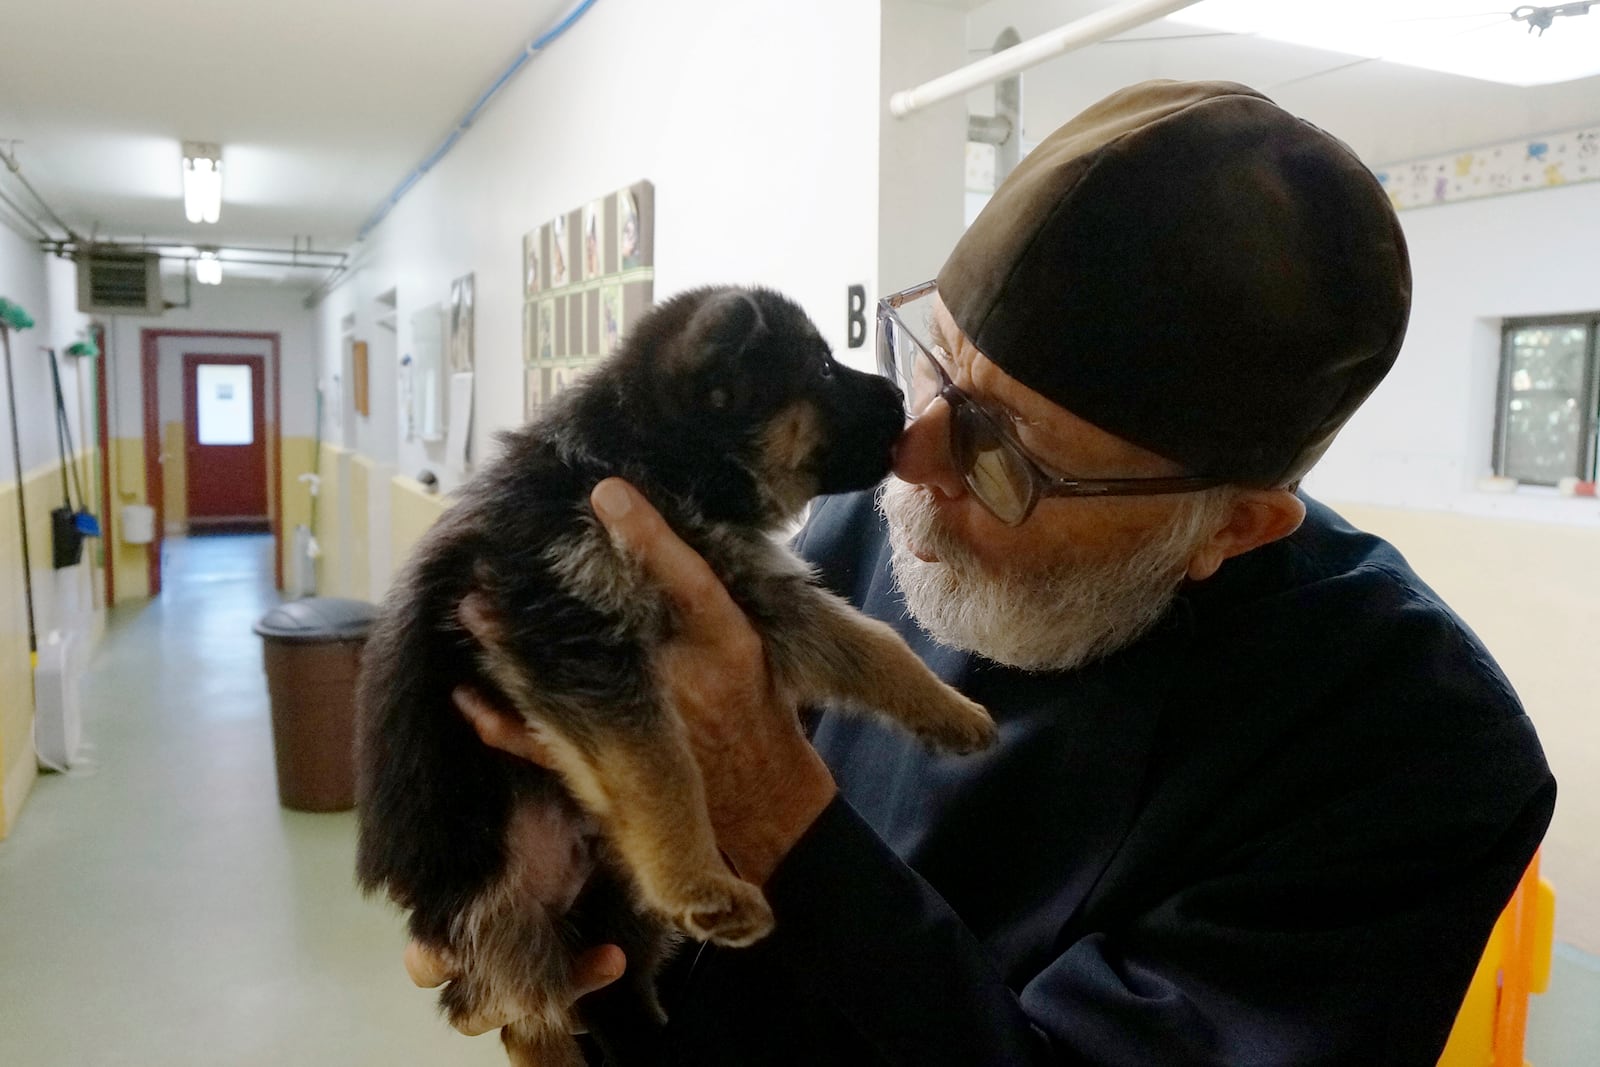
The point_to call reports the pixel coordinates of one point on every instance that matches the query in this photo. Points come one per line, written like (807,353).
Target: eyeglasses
(997,469)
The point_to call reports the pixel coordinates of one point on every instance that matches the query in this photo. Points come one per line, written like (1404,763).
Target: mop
(14,318)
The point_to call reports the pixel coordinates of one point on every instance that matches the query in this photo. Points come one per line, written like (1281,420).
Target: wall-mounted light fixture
(208,268)
(202,181)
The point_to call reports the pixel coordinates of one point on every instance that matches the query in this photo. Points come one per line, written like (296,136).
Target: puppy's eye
(826,370)
(717,399)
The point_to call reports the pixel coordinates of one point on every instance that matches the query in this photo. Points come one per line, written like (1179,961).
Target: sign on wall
(587,276)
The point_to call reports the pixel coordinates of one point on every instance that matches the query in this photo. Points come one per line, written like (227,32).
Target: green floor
(159,909)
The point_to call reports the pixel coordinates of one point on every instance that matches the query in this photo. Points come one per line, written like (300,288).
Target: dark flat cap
(1188,266)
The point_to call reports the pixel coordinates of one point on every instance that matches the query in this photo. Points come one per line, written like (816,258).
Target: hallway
(176,914)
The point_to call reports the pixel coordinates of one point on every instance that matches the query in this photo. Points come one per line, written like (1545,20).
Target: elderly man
(1258,795)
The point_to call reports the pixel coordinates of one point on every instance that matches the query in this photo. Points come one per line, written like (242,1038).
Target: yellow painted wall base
(1531,591)
(412,510)
(331,579)
(131,562)
(358,566)
(299,457)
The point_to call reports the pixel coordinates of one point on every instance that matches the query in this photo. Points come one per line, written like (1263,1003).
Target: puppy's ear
(721,328)
(704,368)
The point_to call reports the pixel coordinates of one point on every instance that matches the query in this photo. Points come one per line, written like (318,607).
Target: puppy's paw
(962,727)
(728,911)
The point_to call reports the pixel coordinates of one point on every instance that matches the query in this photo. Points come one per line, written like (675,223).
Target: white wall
(44,286)
(1425,437)
(756,120)
(921,158)
(231,306)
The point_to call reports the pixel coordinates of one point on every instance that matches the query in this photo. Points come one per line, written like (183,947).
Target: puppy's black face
(744,373)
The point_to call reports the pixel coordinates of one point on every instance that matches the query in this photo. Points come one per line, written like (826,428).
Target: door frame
(149,367)
(256,364)
(102,400)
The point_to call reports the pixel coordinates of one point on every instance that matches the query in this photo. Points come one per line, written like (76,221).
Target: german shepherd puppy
(727,410)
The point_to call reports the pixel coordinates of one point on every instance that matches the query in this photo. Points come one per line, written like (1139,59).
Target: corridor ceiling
(323,106)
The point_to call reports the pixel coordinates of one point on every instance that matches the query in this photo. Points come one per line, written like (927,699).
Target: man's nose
(922,455)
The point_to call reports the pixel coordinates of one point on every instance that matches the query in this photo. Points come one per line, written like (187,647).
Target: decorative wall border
(1510,167)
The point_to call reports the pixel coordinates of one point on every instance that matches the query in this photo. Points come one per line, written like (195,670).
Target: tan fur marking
(788,445)
(660,826)
(885,675)
(792,436)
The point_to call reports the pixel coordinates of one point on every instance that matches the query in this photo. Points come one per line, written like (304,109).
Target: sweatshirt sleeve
(1322,946)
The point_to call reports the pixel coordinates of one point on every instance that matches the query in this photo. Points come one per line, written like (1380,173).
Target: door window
(226,415)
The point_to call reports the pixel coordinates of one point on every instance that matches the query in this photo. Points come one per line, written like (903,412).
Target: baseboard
(18,782)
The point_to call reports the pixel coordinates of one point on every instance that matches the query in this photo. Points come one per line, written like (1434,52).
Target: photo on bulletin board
(593,240)
(546,337)
(552,380)
(559,317)
(532,260)
(460,332)
(558,252)
(574,246)
(636,226)
(610,318)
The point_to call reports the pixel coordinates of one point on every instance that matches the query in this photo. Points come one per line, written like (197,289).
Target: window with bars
(1549,378)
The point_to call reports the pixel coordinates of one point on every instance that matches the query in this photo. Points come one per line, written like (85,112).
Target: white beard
(1055,617)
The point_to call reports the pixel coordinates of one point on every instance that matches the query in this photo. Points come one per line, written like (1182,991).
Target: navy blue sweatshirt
(1276,830)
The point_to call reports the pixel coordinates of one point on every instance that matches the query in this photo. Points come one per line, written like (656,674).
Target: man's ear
(1257,517)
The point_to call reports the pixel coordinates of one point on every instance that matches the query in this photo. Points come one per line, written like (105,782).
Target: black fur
(681,411)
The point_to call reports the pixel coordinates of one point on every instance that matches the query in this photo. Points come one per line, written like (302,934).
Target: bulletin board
(587,276)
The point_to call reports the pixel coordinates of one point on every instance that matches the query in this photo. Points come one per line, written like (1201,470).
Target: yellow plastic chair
(1493,1021)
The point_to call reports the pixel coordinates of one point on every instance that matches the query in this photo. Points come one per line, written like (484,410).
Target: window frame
(1590,442)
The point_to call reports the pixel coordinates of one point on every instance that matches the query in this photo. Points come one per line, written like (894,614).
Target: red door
(225,443)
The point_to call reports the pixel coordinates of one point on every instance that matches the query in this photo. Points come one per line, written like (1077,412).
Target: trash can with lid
(312,651)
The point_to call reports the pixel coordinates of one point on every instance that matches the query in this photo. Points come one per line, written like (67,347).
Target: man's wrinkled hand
(593,969)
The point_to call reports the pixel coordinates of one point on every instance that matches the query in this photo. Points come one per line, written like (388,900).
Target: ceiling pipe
(173,250)
(15,168)
(1091,29)
(533,48)
(16,209)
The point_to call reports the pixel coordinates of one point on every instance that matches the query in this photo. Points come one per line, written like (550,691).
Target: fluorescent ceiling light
(208,269)
(1452,36)
(202,181)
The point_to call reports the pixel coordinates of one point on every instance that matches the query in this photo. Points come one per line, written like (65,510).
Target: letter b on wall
(857,333)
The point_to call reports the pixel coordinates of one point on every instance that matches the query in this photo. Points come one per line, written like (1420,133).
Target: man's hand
(594,969)
(765,784)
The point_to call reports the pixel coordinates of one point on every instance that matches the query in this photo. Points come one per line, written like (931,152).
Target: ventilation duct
(112,281)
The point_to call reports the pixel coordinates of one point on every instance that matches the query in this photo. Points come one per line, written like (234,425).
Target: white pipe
(1035,50)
